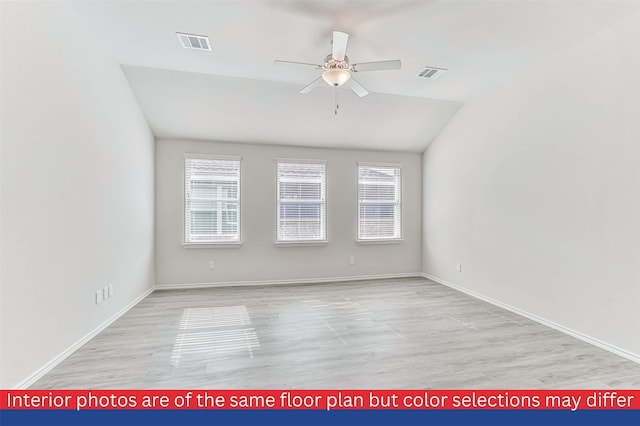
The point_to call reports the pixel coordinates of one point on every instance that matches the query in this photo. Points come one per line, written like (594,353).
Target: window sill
(235,244)
(381,241)
(301,243)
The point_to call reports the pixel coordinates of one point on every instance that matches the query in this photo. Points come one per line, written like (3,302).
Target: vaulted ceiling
(235,92)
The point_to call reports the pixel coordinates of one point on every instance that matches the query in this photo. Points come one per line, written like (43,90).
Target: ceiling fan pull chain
(337,105)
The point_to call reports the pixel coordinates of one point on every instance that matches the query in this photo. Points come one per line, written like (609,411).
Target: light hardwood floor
(401,333)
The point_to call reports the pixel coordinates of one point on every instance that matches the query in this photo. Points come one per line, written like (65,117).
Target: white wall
(535,188)
(76,187)
(258,259)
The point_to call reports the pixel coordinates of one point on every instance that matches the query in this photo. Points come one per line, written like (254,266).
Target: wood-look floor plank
(401,333)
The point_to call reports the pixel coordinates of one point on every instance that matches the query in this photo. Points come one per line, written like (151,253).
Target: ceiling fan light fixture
(336,76)
(337,70)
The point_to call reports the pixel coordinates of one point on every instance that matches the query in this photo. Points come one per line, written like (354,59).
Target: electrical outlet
(98,297)
(459,267)
(352,260)
(212,265)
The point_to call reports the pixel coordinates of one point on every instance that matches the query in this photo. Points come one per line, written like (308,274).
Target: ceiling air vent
(192,41)
(432,72)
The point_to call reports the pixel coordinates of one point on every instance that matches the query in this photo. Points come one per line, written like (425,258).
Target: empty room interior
(320,194)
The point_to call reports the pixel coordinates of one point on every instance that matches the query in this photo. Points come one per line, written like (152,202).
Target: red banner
(320,399)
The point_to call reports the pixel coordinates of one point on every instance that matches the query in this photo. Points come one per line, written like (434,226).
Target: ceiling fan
(338,70)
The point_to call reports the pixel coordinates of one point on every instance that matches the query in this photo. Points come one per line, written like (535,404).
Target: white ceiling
(236,93)
(201,106)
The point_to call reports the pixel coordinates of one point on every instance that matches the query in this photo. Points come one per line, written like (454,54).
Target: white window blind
(212,199)
(379,202)
(301,201)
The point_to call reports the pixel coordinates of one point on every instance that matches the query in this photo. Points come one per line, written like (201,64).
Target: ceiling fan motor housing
(330,63)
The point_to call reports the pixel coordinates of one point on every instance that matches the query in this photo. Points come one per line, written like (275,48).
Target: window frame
(211,243)
(380,240)
(322,241)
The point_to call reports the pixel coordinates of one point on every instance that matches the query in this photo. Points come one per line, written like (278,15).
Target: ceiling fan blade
(309,87)
(377,66)
(279,62)
(339,48)
(357,88)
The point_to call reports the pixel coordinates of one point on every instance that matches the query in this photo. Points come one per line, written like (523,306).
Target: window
(301,202)
(212,199)
(379,202)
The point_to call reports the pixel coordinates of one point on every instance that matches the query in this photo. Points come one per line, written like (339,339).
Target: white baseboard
(70,350)
(596,342)
(65,354)
(281,282)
